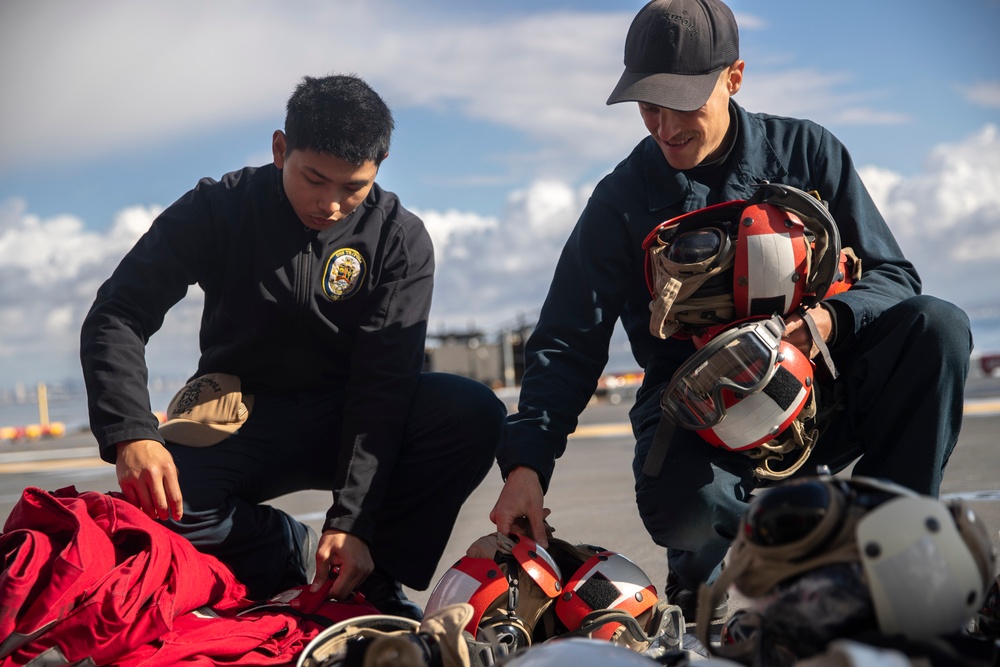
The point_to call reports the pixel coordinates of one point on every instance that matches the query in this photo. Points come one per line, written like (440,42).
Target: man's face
(322,189)
(688,138)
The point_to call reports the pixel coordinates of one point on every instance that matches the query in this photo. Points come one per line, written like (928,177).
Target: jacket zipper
(303,279)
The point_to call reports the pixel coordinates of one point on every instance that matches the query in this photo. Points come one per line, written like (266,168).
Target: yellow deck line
(609,430)
(985,407)
(602,430)
(58,464)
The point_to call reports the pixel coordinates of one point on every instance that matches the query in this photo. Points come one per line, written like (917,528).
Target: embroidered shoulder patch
(344,273)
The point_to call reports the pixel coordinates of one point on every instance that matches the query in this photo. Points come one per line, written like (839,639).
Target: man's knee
(461,420)
(472,408)
(939,323)
(674,518)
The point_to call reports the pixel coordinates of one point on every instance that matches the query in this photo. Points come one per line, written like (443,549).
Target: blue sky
(114,109)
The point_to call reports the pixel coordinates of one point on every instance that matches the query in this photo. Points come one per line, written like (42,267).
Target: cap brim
(195,434)
(680,92)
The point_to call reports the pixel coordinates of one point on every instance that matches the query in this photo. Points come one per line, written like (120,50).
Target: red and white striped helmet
(773,253)
(743,387)
(606,581)
(772,262)
(508,591)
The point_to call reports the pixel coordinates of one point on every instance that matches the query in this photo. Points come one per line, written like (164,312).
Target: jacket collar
(753,160)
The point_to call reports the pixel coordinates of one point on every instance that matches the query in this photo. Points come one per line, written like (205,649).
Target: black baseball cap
(674,52)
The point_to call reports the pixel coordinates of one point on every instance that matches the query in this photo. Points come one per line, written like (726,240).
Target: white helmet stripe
(771,265)
(752,419)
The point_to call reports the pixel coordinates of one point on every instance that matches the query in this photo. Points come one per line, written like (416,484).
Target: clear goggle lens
(742,360)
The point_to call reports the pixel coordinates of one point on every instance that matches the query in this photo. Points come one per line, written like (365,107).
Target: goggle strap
(660,307)
(820,344)
(658,449)
(701,312)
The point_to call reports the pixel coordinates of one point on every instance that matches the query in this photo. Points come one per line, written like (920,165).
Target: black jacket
(276,316)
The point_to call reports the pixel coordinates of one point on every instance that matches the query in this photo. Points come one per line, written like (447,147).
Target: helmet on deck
(823,557)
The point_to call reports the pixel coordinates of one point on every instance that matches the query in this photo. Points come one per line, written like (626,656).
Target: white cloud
(986,94)
(116,75)
(494,271)
(828,97)
(491,270)
(50,270)
(947,218)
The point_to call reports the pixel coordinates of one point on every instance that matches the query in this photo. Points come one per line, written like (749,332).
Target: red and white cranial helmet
(509,580)
(772,254)
(743,387)
(607,580)
(772,262)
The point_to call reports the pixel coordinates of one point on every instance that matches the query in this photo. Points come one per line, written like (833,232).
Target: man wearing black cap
(903,357)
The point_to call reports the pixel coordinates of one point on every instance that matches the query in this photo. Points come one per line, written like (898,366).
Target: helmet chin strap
(801,435)
(819,343)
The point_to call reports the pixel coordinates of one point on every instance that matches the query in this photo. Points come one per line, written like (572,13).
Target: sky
(113,109)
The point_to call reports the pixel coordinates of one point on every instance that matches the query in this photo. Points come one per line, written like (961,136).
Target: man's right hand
(148,478)
(522,496)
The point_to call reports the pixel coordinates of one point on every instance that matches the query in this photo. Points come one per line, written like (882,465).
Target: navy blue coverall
(903,357)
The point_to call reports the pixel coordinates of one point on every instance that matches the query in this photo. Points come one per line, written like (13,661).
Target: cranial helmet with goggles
(717,275)
(772,254)
(822,555)
(748,390)
(745,371)
(521,597)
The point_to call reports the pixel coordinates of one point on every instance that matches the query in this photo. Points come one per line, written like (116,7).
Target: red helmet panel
(608,580)
(771,267)
(478,581)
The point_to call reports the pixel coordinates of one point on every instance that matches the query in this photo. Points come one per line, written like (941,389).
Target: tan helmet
(919,566)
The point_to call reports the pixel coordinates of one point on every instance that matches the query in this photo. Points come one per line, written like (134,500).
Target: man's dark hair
(341,116)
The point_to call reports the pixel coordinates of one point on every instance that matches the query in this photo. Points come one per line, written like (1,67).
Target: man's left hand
(344,558)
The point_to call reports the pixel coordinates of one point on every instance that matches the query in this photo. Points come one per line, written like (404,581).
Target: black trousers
(902,389)
(289,444)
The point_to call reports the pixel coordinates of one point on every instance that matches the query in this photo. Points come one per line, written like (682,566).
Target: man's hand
(148,478)
(521,497)
(344,558)
(797,333)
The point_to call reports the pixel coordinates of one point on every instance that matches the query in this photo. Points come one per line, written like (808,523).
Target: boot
(386,594)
